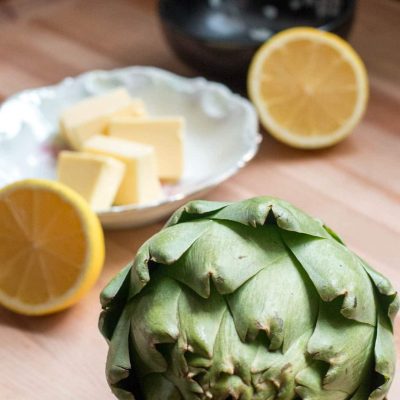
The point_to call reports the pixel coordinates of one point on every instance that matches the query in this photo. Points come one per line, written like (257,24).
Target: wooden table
(354,187)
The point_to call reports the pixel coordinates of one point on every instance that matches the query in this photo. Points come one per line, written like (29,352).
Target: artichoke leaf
(165,247)
(171,243)
(388,295)
(252,212)
(233,386)
(335,271)
(113,298)
(186,378)
(283,369)
(193,210)
(271,300)
(232,357)
(385,349)
(385,356)
(228,254)
(114,287)
(362,392)
(200,322)
(140,275)
(167,312)
(154,384)
(346,345)
(309,384)
(118,365)
(154,320)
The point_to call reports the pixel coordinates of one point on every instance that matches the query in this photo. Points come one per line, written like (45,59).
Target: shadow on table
(32,324)
(272,149)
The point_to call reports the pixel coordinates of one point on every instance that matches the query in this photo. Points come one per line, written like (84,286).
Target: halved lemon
(310,87)
(51,247)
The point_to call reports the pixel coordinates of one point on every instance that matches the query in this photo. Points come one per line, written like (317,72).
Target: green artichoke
(249,300)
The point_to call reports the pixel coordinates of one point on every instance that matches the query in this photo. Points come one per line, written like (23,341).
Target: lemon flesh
(51,247)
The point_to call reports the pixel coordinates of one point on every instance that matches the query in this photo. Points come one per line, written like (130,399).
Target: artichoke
(248,300)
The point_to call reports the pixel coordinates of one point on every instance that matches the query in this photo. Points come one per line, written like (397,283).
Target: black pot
(219,37)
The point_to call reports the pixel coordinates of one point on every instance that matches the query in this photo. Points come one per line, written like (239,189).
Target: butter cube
(95,177)
(90,116)
(164,134)
(140,183)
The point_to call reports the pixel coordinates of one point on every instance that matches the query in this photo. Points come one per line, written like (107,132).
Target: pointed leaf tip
(193,210)
(114,286)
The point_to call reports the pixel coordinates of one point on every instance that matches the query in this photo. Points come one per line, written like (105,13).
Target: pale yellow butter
(95,177)
(140,183)
(90,116)
(166,135)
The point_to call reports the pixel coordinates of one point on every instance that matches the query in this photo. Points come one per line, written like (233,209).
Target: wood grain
(354,187)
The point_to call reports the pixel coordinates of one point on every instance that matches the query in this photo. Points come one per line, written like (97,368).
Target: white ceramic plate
(221,132)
